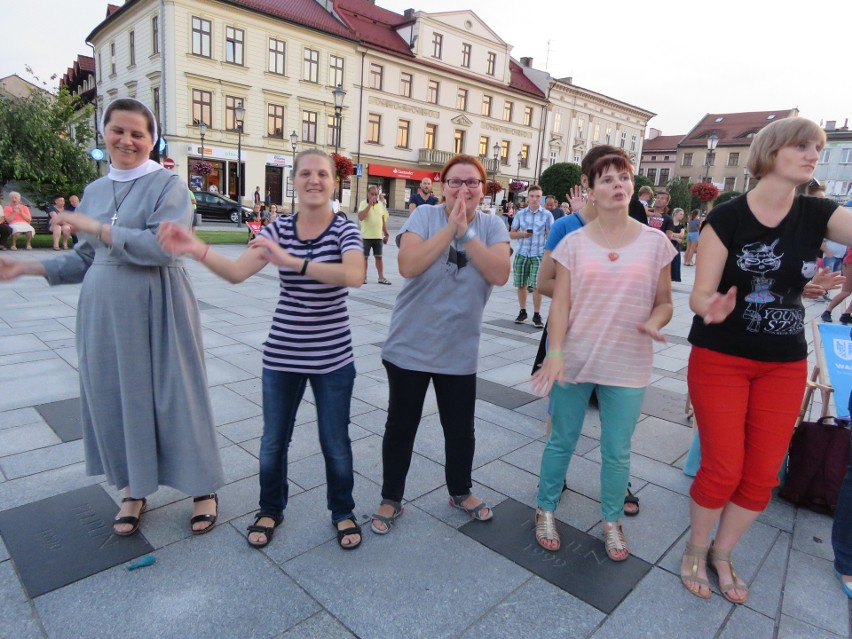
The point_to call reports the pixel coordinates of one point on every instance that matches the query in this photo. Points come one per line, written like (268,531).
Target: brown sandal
(545,529)
(696,554)
(714,554)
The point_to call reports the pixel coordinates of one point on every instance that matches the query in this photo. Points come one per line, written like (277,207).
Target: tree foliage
(727,195)
(639,181)
(679,196)
(42,144)
(558,179)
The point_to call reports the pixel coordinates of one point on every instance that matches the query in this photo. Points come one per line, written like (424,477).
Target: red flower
(343,165)
(201,168)
(493,188)
(704,192)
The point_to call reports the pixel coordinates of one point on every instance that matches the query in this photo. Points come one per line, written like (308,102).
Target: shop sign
(380,170)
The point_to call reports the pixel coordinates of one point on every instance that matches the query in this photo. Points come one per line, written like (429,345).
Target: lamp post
(339,93)
(712,141)
(496,149)
(520,158)
(745,179)
(239,115)
(293,139)
(202,131)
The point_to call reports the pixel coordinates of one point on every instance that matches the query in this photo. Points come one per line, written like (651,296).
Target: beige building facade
(419,88)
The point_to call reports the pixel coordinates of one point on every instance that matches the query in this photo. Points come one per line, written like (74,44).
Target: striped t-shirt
(310,326)
(608,300)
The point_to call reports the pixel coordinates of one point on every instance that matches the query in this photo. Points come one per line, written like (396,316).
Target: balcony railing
(434,157)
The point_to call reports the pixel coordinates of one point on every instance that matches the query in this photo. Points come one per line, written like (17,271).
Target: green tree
(558,179)
(727,195)
(679,196)
(640,181)
(42,144)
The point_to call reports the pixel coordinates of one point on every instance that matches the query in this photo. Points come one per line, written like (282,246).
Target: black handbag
(817,463)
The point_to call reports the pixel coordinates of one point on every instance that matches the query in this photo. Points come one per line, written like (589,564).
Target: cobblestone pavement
(427,578)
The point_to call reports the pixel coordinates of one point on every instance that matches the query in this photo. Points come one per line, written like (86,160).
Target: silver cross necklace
(118,204)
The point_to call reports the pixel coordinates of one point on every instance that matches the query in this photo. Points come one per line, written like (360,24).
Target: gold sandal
(715,554)
(696,554)
(614,540)
(545,529)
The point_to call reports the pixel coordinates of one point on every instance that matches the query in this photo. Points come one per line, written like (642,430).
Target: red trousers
(745,411)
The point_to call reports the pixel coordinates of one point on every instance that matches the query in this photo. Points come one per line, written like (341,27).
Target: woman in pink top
(611,299)
(18,217)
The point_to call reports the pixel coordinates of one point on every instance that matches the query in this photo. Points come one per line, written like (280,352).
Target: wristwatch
(467,237)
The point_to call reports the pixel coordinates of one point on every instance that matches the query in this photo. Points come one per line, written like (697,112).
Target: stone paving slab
(580,566)
(426,562)
(537,609)
(64,417)
(65,538)
(16,611)
(179,596)
(36,461)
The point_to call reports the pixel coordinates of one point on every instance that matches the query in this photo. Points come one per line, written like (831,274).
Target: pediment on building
(461,120)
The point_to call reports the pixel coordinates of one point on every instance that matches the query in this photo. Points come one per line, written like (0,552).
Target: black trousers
(5,233)
(456,395)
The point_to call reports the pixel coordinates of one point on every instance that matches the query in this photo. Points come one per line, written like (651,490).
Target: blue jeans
(619,408)
(282,394)
(841,532)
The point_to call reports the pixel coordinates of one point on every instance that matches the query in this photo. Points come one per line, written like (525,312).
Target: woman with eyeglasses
(451,256)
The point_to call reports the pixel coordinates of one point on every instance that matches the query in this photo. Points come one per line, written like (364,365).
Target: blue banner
(837,348)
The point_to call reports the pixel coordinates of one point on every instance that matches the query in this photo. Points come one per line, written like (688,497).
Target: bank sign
(401,173)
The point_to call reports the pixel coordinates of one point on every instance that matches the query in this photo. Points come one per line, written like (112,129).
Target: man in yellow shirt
(373,217)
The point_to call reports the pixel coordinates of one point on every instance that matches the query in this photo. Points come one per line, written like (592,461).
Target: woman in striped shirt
(319,255)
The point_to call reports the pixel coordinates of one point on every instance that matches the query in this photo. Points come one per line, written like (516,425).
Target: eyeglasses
(455,183)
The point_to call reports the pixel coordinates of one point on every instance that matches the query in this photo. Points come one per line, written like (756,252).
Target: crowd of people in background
(605,258)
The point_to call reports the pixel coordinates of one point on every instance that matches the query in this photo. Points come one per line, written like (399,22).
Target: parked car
(213,206)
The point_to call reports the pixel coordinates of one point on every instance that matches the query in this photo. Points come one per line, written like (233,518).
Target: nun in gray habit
(147,418)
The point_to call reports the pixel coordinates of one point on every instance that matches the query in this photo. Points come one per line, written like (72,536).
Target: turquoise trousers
(619,409)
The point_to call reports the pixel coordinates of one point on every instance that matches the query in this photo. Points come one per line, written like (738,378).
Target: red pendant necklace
(613,255)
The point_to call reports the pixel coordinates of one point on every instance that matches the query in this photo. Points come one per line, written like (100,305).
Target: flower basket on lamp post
(344,168)
(201,168)
(705,193)
(493,188)
(517,185)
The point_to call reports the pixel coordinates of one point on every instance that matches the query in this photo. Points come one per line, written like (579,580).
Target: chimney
(408,14)
(830,125)
(527,62)
(569,80)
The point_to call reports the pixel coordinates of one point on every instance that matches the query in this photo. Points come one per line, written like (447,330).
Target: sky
(679,60)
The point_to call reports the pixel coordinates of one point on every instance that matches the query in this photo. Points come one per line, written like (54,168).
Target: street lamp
(496,149)
(202,131)
(339,93)
(239,115)
(745,179)
(712,141)
(293,139)
(520,158)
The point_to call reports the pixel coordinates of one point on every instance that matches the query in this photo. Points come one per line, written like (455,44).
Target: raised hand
(274,254)
(720,306)
(458,217)
(825,280)
(576,198)
(177,239)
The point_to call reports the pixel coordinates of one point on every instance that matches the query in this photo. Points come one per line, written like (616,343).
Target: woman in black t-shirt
(758,252)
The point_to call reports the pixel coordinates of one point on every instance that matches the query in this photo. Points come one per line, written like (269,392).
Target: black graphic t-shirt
(769,267)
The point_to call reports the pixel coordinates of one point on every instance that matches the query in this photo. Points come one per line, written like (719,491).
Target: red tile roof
(733,129)
(305,12)
(662,143)
(375,26)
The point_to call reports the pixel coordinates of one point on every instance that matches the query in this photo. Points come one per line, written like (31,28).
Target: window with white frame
(437,45)
(466,48)
(491,64)
(432,91)
(846,156)
(507,111)
(377,72)
(458,141)
(824,156)
(554,155)
(132,47)
(486,105)
(623,142)
(431,136)
(557,122)
(275,121)
(155,35)
(528,115)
